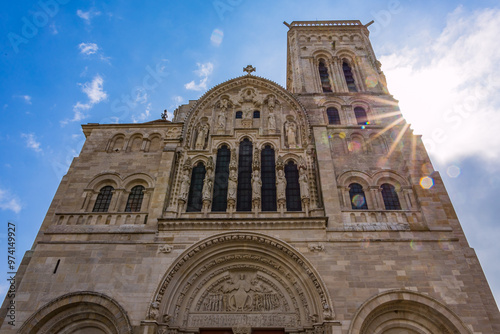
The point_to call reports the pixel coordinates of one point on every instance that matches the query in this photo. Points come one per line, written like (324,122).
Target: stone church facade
(259,209)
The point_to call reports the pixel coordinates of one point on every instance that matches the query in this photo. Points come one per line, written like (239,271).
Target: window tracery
(103,199)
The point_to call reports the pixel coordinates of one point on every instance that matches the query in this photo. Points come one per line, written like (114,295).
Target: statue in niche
(224,104)
(281,184)
(221,120)
(272,121)
(271,102)
(304,184)
(291,133)
(233,164)
(202,137)
(185,183)
(210,164)
(207,189)
(256,162)
(256,185)
(232,184)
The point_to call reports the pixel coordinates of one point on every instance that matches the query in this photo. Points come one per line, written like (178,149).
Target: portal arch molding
(241,278)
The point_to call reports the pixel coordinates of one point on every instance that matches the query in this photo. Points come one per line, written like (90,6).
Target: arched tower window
(357,195)
(103,199)
(239,114)
(134,201)
(293,202)
(361,117)
(244,197)
(333,116)
(268,175)
(349,78)
(196,187)
(323,75)
(391,200)
(256,114)
(219,202)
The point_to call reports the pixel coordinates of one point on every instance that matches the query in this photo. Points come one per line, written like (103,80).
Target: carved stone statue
(154,311)
(224,104)
(232,184)
(271,102)
(202,137)
(272,121)
(291,133)
(185,183)
(281,184)
(221,120)
(304,184)
(247,113)
(256,185)
(207,189)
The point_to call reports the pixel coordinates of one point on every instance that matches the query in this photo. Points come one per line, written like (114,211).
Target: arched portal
(81,312)
(241,279)
(403,311)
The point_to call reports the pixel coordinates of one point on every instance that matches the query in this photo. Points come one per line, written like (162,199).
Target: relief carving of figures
(232,184)
(207,189)
(247,113)
(256,162)
(256,185)
(304,184)
(281,184)
(202,137)
(154,311)
(233,164)
(271,102)
(185,184)
(291,133)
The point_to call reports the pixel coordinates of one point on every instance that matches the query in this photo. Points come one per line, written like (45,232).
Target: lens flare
(371,81)
(217,36)
(354,146)
(453,171)
(358,201)
(365,243)
(426,182)
(444,244)
(416,245)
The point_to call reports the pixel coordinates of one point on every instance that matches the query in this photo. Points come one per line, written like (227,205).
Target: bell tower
(332,57)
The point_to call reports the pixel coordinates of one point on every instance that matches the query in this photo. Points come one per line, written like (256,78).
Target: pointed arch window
(293,202)
(268,175)
(391,200)
(244,197)
(323,75)
(196,187)
(103,199)
(358,198)
(361,117)
(134,201)
(349,78)
(333,116)
(219,202)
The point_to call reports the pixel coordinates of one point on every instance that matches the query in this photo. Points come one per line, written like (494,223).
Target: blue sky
(67,62)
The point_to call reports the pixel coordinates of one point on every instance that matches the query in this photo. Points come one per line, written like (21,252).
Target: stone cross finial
(249,69)
(164,115)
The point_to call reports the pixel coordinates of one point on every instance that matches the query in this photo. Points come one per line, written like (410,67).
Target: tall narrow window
(391,200)
(134,201)
(357,195)
(103,199)
(349,78)
(219,202)
(323,75)
(292,187)
(195,189)
(333,116)
(268,175)
(244,197)
(360,114)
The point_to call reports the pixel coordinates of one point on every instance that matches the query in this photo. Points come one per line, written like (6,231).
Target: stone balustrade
(101,218)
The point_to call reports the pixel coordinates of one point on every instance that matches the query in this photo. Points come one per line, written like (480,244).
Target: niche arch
(241,277)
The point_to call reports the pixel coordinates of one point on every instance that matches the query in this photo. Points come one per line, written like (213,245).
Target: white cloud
(95,92)
(448,87)
(178,99)
(143,116)
(9,201)
(31,141)
(203,71)
(87,16)
(26,98)
(88,48)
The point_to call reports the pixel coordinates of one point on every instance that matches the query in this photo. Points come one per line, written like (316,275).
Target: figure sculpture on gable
(272,121)
(291,133)
(281,184)
(221,120)
(202,137)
